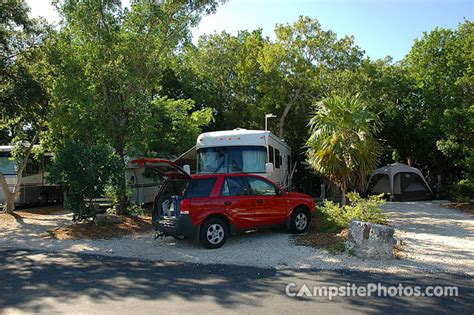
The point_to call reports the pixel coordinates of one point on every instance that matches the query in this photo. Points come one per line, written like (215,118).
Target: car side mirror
(269,168)
(187,169)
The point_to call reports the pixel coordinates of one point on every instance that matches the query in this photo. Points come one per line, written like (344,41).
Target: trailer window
(277,158)
(271,154)
(32,167)
(232,159)
(7,165)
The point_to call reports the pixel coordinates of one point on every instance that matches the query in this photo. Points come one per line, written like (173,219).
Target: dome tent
(400,182)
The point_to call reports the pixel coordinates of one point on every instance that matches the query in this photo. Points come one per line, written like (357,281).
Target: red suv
(210,206)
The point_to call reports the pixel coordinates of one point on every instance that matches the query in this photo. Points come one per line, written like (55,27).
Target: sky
(380,27)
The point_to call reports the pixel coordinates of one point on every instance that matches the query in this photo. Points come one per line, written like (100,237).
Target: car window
(261,187)
(199,188)
(234,186)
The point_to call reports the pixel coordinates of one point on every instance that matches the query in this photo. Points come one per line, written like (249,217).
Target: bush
(368,210)
(84,172)
(463,190)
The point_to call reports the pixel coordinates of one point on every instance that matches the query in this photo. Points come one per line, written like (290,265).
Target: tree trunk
(286,111)
(409,160)
(281,123)
(9,205)
(122,186)
(343,197)
(10,196)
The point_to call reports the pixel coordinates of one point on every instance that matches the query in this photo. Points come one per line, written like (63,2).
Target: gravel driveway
(436,238)
(434,235)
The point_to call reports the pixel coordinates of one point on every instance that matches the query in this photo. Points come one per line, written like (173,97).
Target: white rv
(241,151)
(34,188)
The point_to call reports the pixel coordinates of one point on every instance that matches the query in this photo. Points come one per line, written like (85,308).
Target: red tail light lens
(184,206)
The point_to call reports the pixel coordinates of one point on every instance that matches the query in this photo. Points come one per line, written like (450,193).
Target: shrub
(135,210)
(84,172)
(463,190)
(367,210)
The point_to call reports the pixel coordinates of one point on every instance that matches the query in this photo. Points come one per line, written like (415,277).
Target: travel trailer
(143,182)
(241,151)
(34,188)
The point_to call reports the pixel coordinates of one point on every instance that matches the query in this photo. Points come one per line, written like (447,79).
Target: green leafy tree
(441,67)
(222,71)
(301,62)
(107,63)
(342,146)
(24,105)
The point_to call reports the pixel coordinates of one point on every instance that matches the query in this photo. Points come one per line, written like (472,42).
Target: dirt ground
(466,207)
(89,230)
(317,239)
(10,220)
(72,231)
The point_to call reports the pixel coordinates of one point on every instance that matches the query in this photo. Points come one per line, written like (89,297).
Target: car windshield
(232,159)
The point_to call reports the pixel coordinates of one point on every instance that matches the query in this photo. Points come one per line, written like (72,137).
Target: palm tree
(342,146)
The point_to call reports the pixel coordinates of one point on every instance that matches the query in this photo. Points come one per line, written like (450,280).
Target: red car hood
(298,195)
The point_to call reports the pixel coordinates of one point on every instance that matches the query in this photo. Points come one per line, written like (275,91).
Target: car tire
(300,219)
(213,233)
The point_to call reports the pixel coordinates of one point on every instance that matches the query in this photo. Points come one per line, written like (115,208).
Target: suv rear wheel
(299,221)
(213,233)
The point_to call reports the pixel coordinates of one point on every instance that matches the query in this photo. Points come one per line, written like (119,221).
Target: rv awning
(189,157)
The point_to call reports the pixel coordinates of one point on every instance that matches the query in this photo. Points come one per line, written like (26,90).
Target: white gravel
(436,238)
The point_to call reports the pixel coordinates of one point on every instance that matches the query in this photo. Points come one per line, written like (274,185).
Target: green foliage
(177,124)
(342,146)
(336,248)
(84,172)
(135,210)
(463,190)
(367,210)
(107,63)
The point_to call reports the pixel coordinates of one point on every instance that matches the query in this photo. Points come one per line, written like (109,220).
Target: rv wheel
(42,199)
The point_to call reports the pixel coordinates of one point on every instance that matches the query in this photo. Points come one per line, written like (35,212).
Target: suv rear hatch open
(167,205)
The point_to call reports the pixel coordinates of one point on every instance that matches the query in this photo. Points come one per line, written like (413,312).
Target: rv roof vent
(237,129)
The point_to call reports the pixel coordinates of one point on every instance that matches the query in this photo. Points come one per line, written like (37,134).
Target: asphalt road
(34,281)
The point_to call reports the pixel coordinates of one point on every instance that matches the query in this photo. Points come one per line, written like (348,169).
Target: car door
(236,202)
(269,201)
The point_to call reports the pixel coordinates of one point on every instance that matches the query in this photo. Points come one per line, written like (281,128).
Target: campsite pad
(11,220)
(89,230)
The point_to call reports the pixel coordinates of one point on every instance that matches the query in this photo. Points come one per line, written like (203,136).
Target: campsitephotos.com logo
(370,289)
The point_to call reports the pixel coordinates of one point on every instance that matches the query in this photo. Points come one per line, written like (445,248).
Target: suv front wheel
(299,221)
(213,233)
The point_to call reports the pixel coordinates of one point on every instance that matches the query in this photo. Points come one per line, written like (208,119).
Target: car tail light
(184,206)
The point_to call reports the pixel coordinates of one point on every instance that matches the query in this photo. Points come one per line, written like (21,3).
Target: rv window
(32,167)
(7,166)
(232,159)
(271,154)
(277,158)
